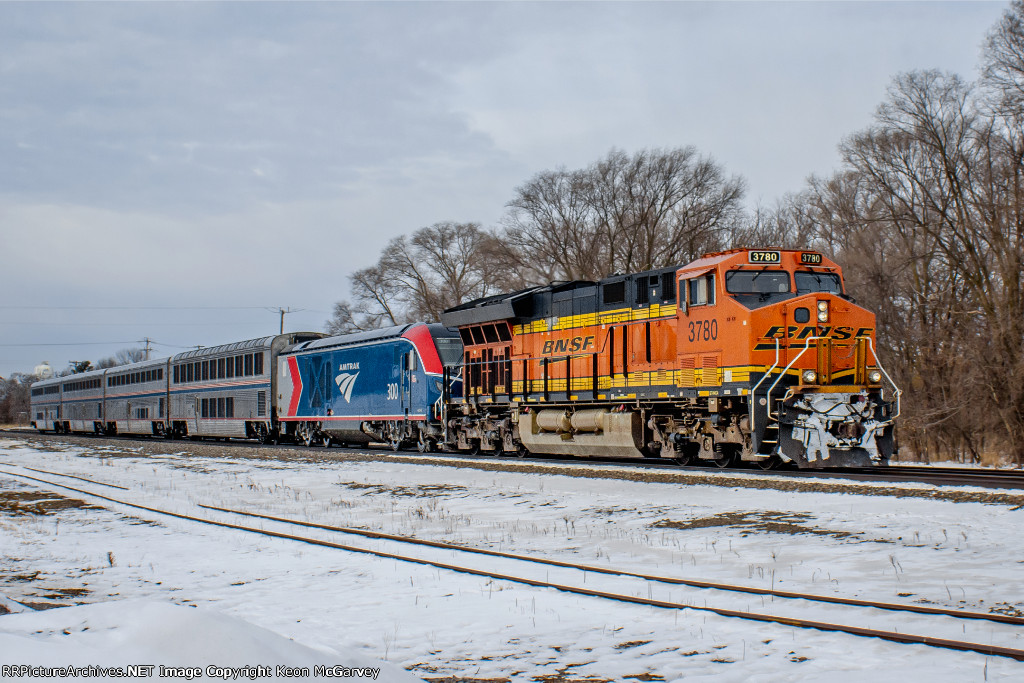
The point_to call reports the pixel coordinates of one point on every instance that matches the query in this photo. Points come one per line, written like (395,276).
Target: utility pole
(148,342)
(282,311)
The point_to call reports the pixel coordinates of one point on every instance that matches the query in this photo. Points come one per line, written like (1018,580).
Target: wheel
(423,444)
(393,433)
(769,463)
(725,459)
(474,447)
(682,458)
(306,435)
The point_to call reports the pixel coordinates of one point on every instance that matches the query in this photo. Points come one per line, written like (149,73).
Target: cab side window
(702,290)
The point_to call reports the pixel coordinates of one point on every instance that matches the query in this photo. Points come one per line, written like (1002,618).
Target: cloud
(255,154)
(185,110)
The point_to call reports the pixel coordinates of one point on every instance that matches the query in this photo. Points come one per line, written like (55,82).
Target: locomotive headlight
(875,377)
(822,311)
(809,376)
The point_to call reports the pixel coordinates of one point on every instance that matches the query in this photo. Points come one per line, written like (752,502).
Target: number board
(810,258)
(765,257)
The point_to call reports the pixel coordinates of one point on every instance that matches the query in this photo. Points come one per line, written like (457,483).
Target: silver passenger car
(45,401)
(226,391)
(82,402)
(136,398)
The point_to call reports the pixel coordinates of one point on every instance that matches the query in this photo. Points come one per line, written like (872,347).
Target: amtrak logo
(345,382)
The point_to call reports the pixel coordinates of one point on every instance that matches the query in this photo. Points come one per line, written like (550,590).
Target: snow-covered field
(252,594)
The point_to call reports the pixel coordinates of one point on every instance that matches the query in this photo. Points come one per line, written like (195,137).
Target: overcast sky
(173,171)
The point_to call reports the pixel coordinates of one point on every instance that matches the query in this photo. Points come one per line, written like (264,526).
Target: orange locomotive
(750,355)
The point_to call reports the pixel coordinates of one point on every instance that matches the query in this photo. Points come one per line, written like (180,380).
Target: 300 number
(705,330)
(393,392)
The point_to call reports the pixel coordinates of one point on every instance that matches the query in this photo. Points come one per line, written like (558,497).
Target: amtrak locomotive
(386,386)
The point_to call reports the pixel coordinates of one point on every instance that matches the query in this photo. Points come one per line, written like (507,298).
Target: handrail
(807,345)
(753,392)
(898,392)
(768,396)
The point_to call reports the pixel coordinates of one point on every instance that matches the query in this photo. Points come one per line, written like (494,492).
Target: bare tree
(927,217)
(624,213)
(122,357)
(551,231)
(659,207)
(1003,63)
(342,320)
(15,399)
(417,277)
(439,266)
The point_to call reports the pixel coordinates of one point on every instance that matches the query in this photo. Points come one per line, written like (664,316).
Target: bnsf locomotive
(746,355)
(755,356)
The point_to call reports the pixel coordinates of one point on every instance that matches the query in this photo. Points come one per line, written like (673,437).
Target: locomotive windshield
(450,350)
(756,281)
(808,282)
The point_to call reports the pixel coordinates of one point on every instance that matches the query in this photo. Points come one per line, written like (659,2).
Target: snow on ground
(438,623)
(131,633)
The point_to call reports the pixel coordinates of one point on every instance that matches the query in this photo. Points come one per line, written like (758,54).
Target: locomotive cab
(818,399)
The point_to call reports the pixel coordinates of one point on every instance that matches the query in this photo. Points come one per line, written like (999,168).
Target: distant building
(43,370)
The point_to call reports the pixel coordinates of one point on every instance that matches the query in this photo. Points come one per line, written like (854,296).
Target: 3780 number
(765,257)
(703,330)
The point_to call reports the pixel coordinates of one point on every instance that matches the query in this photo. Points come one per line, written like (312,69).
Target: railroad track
(519,567)
(940,476)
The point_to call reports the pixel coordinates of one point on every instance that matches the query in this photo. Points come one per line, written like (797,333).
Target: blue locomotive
(388,385)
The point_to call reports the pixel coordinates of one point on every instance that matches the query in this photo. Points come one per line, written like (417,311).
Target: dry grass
(760,521)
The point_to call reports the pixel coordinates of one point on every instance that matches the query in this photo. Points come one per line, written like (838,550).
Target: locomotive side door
(406,380)
(618,349)
(699,348)
(400,373)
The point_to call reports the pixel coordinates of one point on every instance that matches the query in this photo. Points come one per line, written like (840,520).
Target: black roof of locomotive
(538,302)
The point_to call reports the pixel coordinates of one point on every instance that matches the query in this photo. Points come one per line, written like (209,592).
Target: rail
(894,636)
